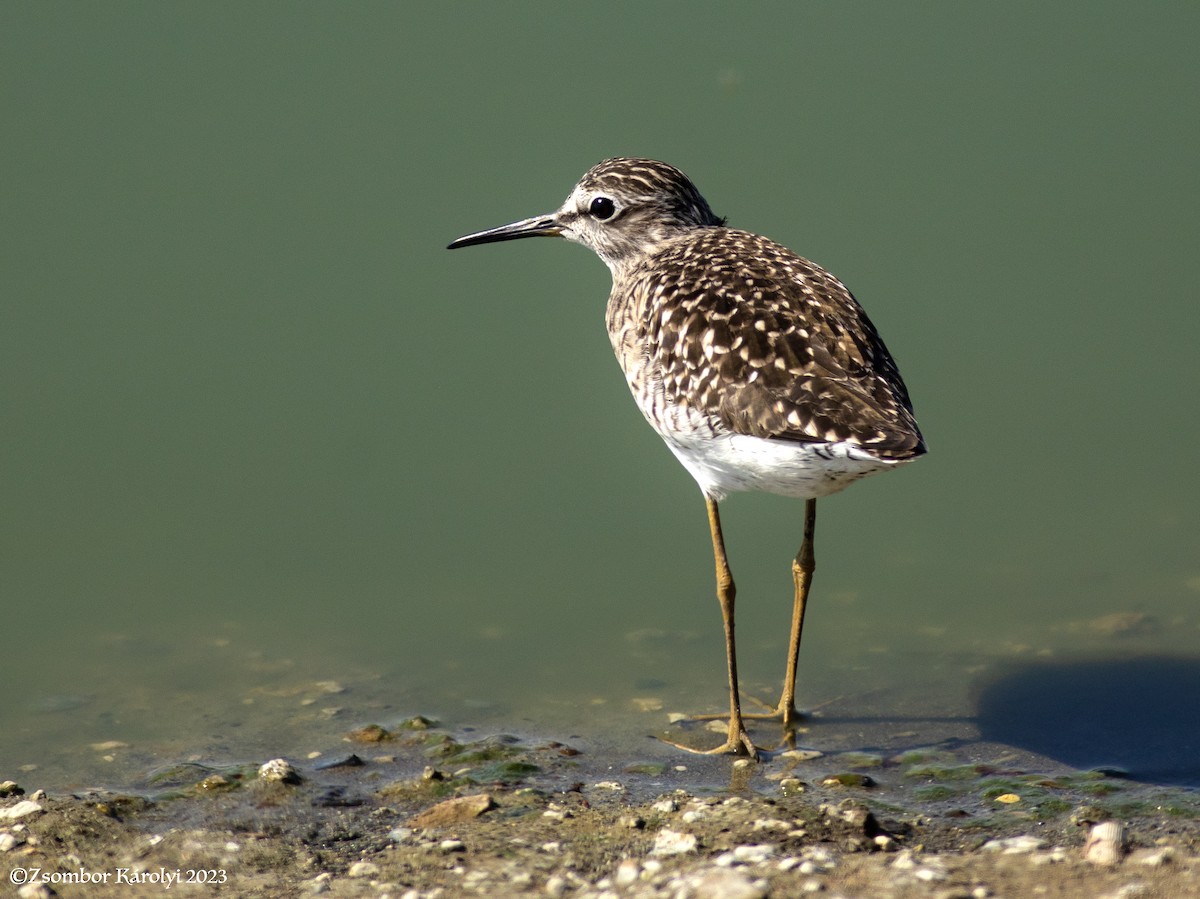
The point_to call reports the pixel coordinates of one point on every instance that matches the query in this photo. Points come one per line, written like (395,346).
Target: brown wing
(773,345)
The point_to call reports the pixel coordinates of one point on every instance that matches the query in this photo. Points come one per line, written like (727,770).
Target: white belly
(727,463)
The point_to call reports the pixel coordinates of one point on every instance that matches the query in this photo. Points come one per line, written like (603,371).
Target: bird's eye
(602,208)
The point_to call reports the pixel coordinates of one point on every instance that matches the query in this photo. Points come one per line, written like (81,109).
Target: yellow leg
(802,571)
(738,741)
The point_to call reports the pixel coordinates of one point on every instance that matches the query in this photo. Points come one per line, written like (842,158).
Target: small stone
(666,805)
(627,873)
(848,779)
(38,795)
(1008,798)
(753,855)
(279,771)
(1086,814)
(647,704)
(1153,858)
(556,886)
(22,809)
(670,842)
(371,733)
(1105,844)
(400,834)
(350,760)
(214,782)
(35,891)
(633,822)
(454,811)
(7,841)
(10,788)
(801,755)
(363,869)
(770,824)
(1055,856)
(452,846)
(727,885)
(319,884)
(791,786)
(1014,845)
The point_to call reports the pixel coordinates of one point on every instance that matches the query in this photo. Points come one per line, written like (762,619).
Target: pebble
(1014,845)
(454,811)
(745,855)
(22,809)
(670,842)
(801,755)
(7,842)
(1153,858)
(363,869)
(555,886)
(452,846)
(319,884)
(627,873)
(725,885)
(771,824)
(790,786)
(279,771)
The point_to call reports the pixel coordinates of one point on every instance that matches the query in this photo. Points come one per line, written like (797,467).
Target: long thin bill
(539,226)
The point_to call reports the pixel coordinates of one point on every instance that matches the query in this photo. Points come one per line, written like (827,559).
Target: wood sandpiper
(757,367)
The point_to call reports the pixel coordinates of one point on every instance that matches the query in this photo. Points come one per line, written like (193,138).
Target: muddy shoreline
(415,810)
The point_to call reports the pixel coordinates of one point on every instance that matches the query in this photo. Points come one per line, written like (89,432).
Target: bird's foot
(738,743)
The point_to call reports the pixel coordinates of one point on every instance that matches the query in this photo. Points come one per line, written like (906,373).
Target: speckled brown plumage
(763,342)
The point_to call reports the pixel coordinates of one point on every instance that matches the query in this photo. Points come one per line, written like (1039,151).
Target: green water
(261,431)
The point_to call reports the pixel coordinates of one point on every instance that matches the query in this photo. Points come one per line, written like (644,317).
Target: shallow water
(276,464)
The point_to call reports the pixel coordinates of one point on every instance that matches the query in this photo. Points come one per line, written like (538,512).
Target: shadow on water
(1140,715)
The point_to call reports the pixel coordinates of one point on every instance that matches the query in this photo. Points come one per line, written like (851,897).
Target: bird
(757,367)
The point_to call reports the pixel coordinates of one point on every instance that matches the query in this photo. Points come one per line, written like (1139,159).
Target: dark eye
(602,208)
